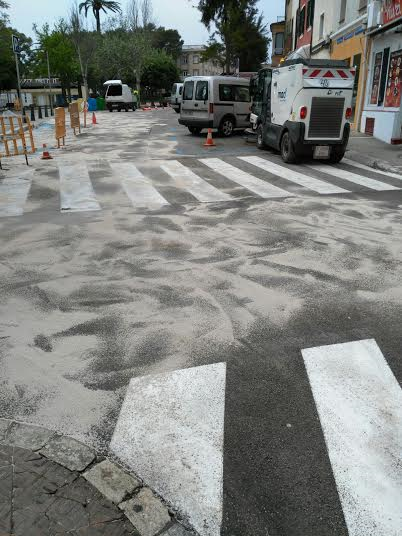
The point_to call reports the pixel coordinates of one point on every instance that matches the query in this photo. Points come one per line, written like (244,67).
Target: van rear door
(201,99)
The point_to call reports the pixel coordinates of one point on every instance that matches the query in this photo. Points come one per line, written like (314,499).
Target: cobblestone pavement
(51,485)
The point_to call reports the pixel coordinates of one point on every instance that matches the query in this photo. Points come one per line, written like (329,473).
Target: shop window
(384,73)
(343,11)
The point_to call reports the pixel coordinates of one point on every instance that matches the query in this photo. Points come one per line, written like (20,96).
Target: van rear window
(115,91)
(188,91)
(201,93)
(174,88)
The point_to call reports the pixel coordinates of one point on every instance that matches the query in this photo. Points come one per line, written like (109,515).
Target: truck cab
(303,107)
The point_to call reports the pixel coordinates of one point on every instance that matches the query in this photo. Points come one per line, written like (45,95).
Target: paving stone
(68,452)
(4,426)
(178,530)
(111,480)
(27,436)
(146,512)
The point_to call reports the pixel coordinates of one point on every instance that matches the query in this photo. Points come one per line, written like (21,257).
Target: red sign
(376,78)
(394,82)
(392,10)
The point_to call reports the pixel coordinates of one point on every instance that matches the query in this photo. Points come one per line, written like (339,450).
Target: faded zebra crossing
(158,184)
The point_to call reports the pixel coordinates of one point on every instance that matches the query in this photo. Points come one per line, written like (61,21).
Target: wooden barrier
(75,117)
(12,131)
(60,124)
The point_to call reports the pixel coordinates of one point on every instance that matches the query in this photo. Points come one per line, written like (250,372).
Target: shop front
(382,114)
(350,46)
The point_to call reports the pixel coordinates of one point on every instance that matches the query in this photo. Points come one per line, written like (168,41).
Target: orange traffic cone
(94,119)
(210,141)
(45,154)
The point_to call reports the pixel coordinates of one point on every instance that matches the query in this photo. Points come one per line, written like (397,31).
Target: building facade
(382,113)
(190,63)
(278,41)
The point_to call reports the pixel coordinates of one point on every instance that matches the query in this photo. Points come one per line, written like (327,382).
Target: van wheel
(110,109)
(226,127)
(287,149)
(194,130)
(337,153)
(260,137)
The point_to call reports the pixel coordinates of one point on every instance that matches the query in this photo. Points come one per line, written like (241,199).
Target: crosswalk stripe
(198,187)
(353,177)
(138,188)
(13,195)
(359,403)
(258,186)
(301,179)
(76,192)
(367,168)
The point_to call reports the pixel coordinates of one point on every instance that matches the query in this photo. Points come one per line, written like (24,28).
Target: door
(241,95)
(201,99)
(266,97)
(187,107)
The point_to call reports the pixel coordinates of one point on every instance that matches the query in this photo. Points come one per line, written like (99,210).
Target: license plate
(188,112)
(321,151)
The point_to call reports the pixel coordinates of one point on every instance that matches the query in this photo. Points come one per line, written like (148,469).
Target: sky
(179,14)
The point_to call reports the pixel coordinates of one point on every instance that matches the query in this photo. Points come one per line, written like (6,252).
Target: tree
(160,71)
(97,6)
(3,14)
(8,75)
(168,40)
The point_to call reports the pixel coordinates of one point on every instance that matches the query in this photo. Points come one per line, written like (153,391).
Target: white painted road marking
(199,188)
(367,168)
(291,175)
(258,186)
(359,402)
(353,177)
(139,189)
(170,432)
(13,195)
(76,192)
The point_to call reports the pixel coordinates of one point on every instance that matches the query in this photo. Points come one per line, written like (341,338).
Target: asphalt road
(138,252)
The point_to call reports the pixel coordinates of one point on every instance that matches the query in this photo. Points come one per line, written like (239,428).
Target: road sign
(16,44)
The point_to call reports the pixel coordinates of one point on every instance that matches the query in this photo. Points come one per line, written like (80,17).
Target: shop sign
(392,10)
(393,92)
(376,78)
(359,30)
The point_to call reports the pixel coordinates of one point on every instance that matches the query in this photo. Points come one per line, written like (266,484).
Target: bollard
(40,116)
(24,119)
(32,112)
(46,112)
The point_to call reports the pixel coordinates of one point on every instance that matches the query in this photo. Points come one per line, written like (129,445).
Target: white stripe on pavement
(13,195)
(291,175)
(258,186)
(353,177)
(373,170)
(137,187)
(359,403)
(199,188)
(76,192)
(170,432)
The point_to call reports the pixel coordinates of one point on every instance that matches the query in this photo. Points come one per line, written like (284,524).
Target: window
(201,92)
(185,73)
(188,91)
(321,34)
(196,59)
(310,13)
(384,72)
(181,90)
(196,72)
(279,42)
(115,90)
(302,21)
(357,59)
(343,11)
(184,59)
(225,93)
(241,94)
(362,4)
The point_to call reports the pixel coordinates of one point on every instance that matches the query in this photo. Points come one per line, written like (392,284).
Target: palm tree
(97,6)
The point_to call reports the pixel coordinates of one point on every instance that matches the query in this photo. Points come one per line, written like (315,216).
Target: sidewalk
(374,153)
(54,485)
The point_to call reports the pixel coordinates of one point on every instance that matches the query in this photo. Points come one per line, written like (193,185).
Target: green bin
(100,103)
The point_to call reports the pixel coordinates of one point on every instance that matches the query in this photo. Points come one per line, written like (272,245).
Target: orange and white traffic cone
(45,154)
(94,119)
(210,141)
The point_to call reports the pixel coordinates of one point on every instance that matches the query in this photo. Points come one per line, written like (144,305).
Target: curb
(381,165)
(148,513)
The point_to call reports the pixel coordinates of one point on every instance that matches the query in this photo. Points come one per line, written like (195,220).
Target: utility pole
(50,83)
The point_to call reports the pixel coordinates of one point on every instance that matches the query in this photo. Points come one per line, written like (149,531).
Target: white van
(118,96)
(176,97)
(221,102)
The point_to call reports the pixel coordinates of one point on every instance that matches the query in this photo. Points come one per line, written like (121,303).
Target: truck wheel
(194,130)
(260,138)
(337,153)
(226,127)
(287,149)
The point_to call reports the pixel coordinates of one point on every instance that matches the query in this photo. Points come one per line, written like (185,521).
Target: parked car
(176,97)
(221,102)
(119,96)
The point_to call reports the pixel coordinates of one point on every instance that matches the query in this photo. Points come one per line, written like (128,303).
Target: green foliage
(167,40)
(8,76)
(160,71)
(97,6)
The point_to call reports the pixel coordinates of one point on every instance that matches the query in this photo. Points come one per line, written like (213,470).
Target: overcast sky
(177,14)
